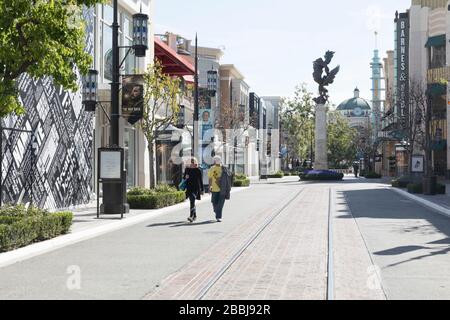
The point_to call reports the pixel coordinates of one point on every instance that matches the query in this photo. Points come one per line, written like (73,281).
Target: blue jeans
(218,202)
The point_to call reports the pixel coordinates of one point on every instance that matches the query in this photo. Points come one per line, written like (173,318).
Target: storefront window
(167,171)
(129,143)
(107,51)
(108,13)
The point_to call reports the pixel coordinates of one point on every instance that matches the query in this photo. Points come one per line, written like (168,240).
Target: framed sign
(418,164)
(110,163)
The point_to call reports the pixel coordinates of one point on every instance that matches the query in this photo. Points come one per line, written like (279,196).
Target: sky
(274,42)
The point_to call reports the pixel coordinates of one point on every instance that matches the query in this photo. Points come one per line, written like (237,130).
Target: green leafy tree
(162,97)
(341,140)
(297,119)
(41,38)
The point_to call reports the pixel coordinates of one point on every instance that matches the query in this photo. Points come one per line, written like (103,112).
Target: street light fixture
(212,83)
(90,86)
(140,34)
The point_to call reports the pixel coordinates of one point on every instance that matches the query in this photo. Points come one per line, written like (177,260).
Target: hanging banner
(133,98)
(206,114)
(402,67)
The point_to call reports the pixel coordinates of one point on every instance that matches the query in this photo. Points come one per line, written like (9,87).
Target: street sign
(110,163)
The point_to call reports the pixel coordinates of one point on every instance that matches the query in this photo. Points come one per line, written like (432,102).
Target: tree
(297,118)
(162,96)
(41,38)
(341,138)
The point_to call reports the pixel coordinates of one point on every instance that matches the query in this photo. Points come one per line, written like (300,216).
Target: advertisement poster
(418,164)
(133,98)
(206,123)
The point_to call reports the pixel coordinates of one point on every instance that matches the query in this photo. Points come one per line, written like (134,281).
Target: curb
(431,205)
(33,250)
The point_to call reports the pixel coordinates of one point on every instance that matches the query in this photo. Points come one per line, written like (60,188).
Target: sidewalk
(439,203)
(86,226)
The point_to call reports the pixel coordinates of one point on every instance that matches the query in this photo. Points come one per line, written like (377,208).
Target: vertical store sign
(403,67)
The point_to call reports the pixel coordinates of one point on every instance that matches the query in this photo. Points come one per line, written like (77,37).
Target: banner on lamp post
(133,98)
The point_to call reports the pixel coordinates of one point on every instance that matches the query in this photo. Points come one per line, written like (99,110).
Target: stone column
(321,158)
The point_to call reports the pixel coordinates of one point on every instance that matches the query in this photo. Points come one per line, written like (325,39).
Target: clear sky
(274,42)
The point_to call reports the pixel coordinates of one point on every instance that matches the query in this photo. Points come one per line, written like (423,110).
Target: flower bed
(160,197)
(20,227)
(321,175)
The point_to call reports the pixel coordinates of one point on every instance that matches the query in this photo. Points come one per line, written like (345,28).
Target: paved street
(277,241)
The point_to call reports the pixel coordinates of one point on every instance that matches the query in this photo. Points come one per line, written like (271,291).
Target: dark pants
(192,199)
(218,202)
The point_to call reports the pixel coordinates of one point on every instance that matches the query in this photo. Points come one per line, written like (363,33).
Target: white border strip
(427,203)
(33,250)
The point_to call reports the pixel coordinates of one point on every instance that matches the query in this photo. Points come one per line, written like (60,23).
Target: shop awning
(439,145)
(437,89)
(173,63)
(436,41)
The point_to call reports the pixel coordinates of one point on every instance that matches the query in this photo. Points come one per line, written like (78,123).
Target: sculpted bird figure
(323,76)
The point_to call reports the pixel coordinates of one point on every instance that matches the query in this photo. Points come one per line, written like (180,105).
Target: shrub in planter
(415,188)
(155,200)
(401,182)
(372,175)
(241,183)
(277,175)
(20,227)
(240,176)
(138,191)
(321,175)
(164,188)
(441,189)
(53,225)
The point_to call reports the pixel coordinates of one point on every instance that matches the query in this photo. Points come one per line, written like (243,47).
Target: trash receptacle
(430,185)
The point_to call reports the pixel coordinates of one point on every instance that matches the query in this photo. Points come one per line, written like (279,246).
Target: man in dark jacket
(356,169)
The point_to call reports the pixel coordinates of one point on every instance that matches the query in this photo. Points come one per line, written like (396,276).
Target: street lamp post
(114,194)
(196,104)
(430,180)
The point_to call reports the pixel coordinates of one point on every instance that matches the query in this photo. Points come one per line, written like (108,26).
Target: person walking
(194,186)
(220,186)
(356,169)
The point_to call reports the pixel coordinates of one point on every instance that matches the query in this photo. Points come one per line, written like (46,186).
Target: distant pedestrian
(356,169)
(220,186)
(194,186)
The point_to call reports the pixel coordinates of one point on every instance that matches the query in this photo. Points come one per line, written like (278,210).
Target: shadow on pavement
(195,224)
(385,204)
(165,224)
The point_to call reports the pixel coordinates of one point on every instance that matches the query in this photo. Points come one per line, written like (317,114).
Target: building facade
(420,63)
(52,161)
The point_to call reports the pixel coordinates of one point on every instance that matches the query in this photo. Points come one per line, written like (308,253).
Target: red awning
(173,63)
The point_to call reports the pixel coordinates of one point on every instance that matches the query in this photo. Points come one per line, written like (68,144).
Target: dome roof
(353,103)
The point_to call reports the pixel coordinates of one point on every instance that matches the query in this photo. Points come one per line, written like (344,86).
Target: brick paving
(288,260)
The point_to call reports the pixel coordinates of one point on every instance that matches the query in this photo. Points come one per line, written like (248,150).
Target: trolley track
(222,271)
